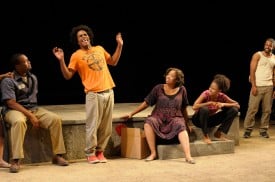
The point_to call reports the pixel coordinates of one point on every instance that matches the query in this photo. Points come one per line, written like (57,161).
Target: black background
(201,38)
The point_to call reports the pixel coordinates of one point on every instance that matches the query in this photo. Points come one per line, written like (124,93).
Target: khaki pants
(264,97)
(99,117)
(47,119)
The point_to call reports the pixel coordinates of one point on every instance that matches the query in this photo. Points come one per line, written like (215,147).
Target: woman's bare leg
(184,141)
(2,162)
(207,139)
(151,140)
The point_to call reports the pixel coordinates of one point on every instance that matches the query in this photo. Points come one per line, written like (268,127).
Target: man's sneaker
(60,161)
(247,134)
(264,134)
(92,159)
(15,166)
(100,156)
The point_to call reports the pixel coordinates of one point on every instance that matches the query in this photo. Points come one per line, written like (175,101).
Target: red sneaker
(100,156)
(92,159)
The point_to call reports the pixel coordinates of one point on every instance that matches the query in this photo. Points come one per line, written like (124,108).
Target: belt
(105,91)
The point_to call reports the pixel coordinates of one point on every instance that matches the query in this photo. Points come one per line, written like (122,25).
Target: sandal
(190,161)
(149,159)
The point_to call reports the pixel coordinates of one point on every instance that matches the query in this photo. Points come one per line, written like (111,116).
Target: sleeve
(152,97)
(73,62)
(7,89)
(185,101)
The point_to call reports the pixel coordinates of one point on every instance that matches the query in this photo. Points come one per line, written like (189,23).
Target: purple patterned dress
(167,118)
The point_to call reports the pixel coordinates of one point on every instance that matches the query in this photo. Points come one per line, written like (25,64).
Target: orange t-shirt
(92,68)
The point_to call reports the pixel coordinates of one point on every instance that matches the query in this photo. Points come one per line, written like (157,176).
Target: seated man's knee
(18,124)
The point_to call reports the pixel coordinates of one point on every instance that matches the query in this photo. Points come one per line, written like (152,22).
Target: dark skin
(267,52)
(22,68)
(6,75)
(84,43)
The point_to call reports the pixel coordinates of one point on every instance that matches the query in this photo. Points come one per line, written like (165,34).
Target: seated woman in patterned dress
(169,117)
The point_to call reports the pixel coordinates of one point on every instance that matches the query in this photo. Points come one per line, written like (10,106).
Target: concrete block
(198,148)
(232,134)
(38,147)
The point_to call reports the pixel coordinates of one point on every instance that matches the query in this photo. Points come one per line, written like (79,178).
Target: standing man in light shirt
(261,79)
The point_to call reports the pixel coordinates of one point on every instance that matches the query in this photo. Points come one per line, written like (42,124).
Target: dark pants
(223,118)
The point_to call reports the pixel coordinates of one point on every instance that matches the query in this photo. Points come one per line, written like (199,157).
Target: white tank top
(264,70)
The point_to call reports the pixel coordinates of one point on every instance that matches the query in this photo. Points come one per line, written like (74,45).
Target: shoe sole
(60,163)
(13,170)
(265,136)
(149,159)
(247,135)
(103,161)
(190,161)
(94,162)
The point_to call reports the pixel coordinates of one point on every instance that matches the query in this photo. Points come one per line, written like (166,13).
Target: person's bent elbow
(68,74)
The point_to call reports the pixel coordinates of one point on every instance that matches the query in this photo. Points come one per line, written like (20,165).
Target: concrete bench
(198,147)
(232,134)
(37,144)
